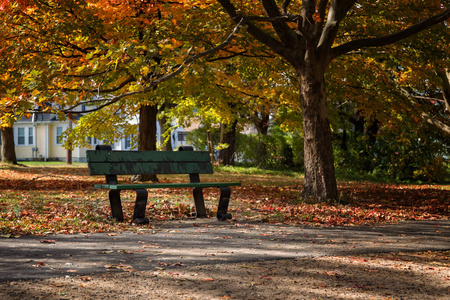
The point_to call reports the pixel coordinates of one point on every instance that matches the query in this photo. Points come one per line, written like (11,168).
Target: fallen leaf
(39,264)
(105,252)
(85,278)
(48,241)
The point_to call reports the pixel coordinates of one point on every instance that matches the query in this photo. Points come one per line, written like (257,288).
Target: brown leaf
(85,278)
(48,241)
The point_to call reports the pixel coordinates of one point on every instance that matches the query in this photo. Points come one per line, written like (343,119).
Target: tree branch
(392,38)
(113,99)
(257,33)
(284,6)
(283,31)
(319,25)
(425,116)
(336,14)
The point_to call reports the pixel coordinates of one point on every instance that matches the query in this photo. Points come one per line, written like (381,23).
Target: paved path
(203,242)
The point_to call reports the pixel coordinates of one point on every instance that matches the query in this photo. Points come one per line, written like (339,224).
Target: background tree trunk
(210,145)
(262,122)
(165,129)
(147,136)
(8,148)
(228,136)
(320,180)
(166,126)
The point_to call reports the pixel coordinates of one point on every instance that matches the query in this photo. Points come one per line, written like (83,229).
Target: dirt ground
(424,275)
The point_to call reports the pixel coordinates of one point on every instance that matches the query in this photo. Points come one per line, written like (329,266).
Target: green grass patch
(258,171)
(51,164)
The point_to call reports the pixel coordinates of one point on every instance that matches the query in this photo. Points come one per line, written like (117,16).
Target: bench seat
(164,185)
(105,161)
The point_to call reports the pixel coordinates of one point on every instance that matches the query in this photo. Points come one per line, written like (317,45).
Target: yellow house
(39,138)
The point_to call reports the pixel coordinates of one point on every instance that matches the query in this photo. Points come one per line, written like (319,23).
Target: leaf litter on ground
(45,200)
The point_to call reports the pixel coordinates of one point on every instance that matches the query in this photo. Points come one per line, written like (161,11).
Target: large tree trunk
(320,180)
(147,136)
(8,148)
(227,136)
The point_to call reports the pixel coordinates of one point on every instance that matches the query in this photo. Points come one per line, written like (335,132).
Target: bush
(275,150)
(403,156)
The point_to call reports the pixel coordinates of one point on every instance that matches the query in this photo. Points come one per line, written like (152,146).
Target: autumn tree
(393,92)
(98,53)
(310,35)
(15,100)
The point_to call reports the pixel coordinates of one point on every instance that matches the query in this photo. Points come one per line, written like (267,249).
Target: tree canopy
(387,60)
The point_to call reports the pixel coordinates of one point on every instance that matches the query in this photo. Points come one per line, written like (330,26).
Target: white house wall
(46,147)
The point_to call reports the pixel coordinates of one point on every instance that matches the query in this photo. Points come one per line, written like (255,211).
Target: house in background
(39,138)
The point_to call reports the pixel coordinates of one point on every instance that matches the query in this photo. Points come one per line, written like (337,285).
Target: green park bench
(111,163)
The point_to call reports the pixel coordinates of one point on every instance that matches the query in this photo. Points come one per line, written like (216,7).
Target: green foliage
(275,150)
(409,155)
(198,137)
(98,125)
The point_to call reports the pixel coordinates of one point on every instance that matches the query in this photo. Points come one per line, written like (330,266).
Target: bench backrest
(112,162)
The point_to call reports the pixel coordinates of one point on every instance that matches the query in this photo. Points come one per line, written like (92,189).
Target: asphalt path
(207,241)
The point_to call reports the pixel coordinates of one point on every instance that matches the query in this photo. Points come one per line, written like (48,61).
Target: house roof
(43,118)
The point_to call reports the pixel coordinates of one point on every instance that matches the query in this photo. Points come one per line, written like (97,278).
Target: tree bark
(228,136)
(210,145)
(445,77)
(147,136)
(262,122)
(165,129)
(320,180)
(8,148)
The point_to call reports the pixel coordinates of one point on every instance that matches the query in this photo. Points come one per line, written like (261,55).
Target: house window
(21,136)
(30,136)
(93,141)
(24,136)
(127,141)
(59,135)
(182,136)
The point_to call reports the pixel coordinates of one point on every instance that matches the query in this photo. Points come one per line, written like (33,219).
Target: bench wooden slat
(146,156)
(129,168)
(104,161)
(164,185)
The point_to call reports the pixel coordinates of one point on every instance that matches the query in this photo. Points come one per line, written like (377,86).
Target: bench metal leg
(222,210)
(199,202)
(116,205)
(140,206)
